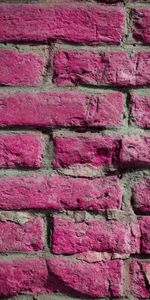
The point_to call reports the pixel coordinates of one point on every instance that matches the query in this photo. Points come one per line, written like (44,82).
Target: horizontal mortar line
(47,254)
(74,89)
(89,87)
(125,45)
(102,48)
(98,88)
(59,89)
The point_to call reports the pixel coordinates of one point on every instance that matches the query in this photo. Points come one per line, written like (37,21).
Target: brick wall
(75,150)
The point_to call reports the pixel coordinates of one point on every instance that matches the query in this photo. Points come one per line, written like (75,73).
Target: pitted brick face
(74,149)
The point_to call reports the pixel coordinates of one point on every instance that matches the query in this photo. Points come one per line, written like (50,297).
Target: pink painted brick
(21,68)
(115,68)
(36,275)
(21,150)
(33,22)
(145,236)
(141,196)
(71,237)
(135,152)
(102,279)
(141,24)
(60,193)
(140,278)
(23,275)
(96,150)
(61,109)
(21,237)
(140,110)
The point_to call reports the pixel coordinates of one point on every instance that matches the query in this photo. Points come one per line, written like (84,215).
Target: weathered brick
(141,196)
(140,279)
(21,68)
(140,110)
(102,279)
(21,150)
(23,275)
(110,68)
(112,236)
(61,109)
(36,275)
(20,234)
(60,193)
(135,152)
(141,24)
(37,22)
(145,237)
(96,150)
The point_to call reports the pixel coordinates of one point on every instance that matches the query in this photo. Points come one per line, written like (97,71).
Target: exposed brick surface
(75,24)
(60,193)
(97,151)
(141,196)
(140,111)
(61,109)
(21,68)
(95,235)
(140,271)
(135,152)
(74,149)
(25,236)
(141,21)
(21,150)
(117,68)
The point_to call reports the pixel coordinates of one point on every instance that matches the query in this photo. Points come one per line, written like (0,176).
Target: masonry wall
(75,150)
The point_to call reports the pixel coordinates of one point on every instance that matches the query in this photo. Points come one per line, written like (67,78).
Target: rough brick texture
(20,69)
(105,68)
(140,111)
(61,109)
(97,151)
(74,149)
(141,21)
(60,193)
(140,277)
(135,152)
(74,24)
(82,277)
(144,227)
(21,235)
(141,196)
(38,275)
(21,150)
(95,235)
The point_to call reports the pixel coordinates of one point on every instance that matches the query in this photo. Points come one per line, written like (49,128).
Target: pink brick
(145,236)
(21,237)
(28,275)
(115,68)
(21,68)
(135,152)
(96,150)
(60,193)
(140,278)
(140,110)
(36,275)
(102,279)
(141,24)
(33,22)
(21,150)
(141,196)
(71,237)
(61,109)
